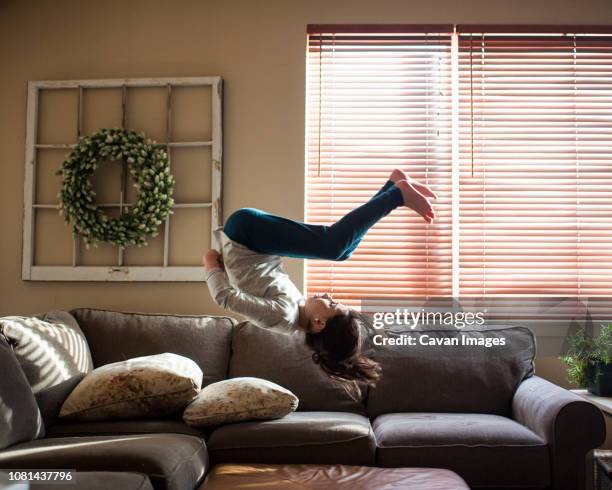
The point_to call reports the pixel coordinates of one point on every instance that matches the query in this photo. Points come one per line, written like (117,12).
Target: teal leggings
(274,235)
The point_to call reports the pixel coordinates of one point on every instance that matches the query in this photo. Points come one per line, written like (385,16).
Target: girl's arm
(268,311)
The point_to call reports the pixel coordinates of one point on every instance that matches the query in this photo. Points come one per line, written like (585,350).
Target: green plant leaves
(584,348)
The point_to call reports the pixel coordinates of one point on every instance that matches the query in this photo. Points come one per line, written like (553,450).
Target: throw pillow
(238,399)
(53,353)
(20,418)
(51,348)
(149,386)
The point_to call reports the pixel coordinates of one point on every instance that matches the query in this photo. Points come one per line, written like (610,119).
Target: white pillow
(238,399)
(147,386)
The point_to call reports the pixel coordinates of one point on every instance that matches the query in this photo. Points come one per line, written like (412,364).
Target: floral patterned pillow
(149,386)
(238,399)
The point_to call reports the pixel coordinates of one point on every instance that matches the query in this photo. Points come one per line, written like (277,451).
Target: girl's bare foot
(416,201)
(397,175)
(422,188)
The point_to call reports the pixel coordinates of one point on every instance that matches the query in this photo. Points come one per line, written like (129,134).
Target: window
(536,163)
(379,101)
(512,127)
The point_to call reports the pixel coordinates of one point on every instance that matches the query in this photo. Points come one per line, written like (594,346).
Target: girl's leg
(351,228)
(270,234)
(384,188)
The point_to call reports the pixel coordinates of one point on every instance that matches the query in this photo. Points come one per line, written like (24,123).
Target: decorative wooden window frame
(119,272)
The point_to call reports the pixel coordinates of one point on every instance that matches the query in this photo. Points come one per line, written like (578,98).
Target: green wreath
(150,170)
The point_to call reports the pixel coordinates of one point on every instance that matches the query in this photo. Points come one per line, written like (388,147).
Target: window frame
(119,272)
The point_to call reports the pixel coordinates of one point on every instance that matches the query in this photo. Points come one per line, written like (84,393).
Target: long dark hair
(338,349)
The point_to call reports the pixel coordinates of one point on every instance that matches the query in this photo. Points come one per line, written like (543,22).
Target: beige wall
(257,46)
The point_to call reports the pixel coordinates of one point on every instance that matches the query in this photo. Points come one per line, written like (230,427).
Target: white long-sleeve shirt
(254,285)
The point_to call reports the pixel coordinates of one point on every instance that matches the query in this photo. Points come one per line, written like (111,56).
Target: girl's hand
(212,260)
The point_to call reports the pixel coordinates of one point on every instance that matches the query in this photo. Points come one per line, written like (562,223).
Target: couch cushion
(300,437)
(53,353)
(205,339)
(119,427)
(452,378)
(486,450)
(20,418)
(338,477)
(171,461)
(283,358)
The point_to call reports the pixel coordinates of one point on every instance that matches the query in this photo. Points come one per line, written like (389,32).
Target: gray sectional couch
(479,412)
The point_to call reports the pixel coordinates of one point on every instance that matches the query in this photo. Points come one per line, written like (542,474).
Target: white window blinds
(378,101)
(532,202)
(535,163)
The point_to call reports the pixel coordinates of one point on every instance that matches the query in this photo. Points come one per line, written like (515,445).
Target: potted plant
(589,361)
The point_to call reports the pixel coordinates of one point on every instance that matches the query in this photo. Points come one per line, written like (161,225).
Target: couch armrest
(570,425)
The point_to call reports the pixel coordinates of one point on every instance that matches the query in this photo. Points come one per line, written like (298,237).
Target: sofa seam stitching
(145,313)
(145,479)
(464,445)
(180,464)
(293,445)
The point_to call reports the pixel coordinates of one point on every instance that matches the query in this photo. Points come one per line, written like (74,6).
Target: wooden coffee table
(324,477)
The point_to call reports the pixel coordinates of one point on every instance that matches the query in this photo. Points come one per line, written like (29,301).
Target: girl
(247,276)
